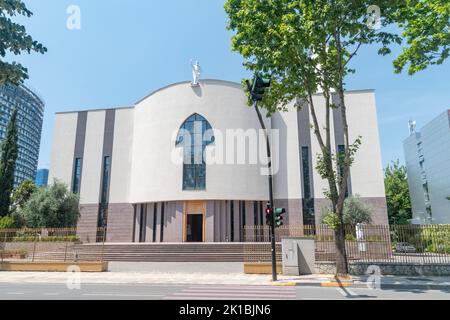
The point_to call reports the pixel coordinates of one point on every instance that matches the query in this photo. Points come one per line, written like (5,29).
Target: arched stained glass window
(194,135)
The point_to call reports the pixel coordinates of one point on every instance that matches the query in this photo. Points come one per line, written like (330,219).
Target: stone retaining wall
(394,269)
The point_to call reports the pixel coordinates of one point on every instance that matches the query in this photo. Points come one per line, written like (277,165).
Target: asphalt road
(14,291)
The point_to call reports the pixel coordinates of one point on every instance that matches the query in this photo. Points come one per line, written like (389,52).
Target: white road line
(121,295)
(237,287)
(347,292)
(187,295)
(220,298)
(234,295)
(316,299)
(15,293)
(239,291)
(51,294)
(139,295)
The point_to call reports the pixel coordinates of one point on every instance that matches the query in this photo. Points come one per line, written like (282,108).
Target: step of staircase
(177,252)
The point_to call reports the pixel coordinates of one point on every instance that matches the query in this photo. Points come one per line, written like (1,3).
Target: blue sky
(126,49)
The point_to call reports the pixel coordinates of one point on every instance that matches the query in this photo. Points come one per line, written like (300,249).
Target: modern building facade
(41,178)
(427,155)
(129,164)
(29,121)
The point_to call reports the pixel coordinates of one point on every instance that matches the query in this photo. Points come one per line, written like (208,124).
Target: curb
(347,284)
(329,284)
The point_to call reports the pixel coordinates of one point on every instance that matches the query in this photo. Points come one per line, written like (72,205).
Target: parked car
(404,247)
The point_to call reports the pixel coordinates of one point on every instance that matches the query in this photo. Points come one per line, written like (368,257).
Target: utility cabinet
(298,256)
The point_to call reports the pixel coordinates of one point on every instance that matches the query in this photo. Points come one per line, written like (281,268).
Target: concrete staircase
(149,252)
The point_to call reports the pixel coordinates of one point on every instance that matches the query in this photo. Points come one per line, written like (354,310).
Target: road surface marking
(347,292)
(235,293)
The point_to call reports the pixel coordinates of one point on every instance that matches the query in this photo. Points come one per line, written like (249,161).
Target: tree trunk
(336,193)
(341,255)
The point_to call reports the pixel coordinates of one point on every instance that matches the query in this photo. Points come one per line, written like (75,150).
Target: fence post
(3,249)
(103,244)
(34,246)
(67,243)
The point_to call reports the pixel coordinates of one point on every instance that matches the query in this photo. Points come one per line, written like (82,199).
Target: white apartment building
(427,155)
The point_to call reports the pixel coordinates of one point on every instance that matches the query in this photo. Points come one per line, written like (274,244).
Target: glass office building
(29,121)
(41,178)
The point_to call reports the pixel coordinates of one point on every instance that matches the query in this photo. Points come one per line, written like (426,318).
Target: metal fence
(403,244)
(50,245)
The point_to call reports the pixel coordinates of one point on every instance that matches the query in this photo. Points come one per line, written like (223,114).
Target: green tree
(6,222)
(426,28)
(52,207)
(355,211)
(9,152)
(14,40)
(304,46)
(22,194)
(397,194)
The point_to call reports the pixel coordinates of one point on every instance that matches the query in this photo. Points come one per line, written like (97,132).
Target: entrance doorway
(194,221)
(194,228)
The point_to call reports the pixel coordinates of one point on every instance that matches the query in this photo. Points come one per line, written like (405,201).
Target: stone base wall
(87,223)
(389,269)
(294,210)
(120,222)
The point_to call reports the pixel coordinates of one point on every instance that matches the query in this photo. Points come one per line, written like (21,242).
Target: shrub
(436,239)
(6,222)
(29,237)
(330,219)
(350,237)
(355,212)
(52,207)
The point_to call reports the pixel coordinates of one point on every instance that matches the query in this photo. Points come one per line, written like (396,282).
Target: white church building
(180,165)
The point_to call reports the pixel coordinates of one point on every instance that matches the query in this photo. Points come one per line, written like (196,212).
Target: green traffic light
(278,216)
(258,87)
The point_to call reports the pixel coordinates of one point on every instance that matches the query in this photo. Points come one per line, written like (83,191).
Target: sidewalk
(169,278)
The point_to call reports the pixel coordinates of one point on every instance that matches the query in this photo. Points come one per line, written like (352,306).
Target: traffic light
(278,216)
(268,215)
(259,87)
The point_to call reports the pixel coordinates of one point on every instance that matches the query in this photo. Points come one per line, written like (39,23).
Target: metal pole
(67,243)
(34,247)
(103,245)
(272,222)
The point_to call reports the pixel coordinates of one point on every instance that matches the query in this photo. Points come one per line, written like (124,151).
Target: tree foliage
(306,46)
(22,194)
(426,28)
(9,151)
(52,207)
(355,211)
(6,222)
(15,40)
(397,194)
